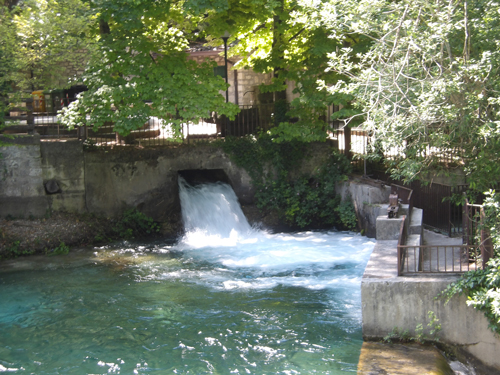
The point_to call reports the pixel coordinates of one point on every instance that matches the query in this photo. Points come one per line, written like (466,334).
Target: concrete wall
(21,178)
(390,302)
(42,177)
(38,178)
(367,197)
(63,167)
(147,179)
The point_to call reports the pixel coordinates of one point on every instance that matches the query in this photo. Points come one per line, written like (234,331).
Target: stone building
(244,82)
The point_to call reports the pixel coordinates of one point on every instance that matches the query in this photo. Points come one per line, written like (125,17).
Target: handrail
(401,243)
(437,259)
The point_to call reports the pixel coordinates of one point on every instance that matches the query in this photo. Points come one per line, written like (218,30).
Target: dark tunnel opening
(203,176)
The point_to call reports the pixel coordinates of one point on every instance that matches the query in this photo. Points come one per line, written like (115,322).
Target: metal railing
(401,243)
(413,260)
(154,132)
(435,259)
(476,232)
(27,120)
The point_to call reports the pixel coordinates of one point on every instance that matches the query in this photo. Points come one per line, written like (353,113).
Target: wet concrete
(409,359)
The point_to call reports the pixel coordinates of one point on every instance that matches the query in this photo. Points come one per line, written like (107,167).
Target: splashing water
(212,215)
(224,299)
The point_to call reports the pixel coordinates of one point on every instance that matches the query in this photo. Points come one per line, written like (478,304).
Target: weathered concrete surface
(367,197)
(21,180)
(63,167)
(38,178)
(388,228)
(147,179)
(390,302)
(409,359)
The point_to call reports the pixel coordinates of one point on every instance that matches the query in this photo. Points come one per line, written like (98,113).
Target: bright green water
(158,309)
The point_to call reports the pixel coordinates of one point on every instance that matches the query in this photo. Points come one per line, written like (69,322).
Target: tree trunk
(280,102)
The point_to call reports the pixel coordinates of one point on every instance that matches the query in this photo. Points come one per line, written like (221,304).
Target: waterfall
(212,214)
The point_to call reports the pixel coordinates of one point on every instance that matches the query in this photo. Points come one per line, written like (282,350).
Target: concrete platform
(390,302)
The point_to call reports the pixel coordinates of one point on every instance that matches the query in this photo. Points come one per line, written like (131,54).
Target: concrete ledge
(390,302)
(20,140)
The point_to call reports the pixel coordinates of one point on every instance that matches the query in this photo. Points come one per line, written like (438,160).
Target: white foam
(218,233)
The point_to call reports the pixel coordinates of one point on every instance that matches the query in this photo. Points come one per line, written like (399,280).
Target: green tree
(36,38)
(429,83)
(141,58)
(7,60)
(48,34)
(288,39)
(142,69)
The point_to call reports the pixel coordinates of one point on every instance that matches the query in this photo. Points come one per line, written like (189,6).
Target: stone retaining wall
(38,177)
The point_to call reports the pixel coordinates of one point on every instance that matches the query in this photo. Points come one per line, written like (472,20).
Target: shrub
(135,224)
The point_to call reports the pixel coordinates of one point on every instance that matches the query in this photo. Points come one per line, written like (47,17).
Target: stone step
(414,240)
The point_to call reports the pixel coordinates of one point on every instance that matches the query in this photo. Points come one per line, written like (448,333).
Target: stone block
(388,229)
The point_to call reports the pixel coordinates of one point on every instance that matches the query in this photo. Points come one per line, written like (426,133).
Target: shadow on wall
(204,176)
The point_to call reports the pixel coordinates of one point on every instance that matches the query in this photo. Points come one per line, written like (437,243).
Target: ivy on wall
(301,202)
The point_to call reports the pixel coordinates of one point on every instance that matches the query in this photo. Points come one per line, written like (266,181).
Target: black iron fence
(33,117)
(441,212)
(24,119)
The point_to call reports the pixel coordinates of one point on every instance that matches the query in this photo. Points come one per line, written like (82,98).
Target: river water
(224,299)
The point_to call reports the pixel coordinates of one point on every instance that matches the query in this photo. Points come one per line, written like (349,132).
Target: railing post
(465,223)
(82,132)
(399,260)
(30,119)
(486,244)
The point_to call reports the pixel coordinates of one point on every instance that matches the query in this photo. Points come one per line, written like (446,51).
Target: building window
(220,71)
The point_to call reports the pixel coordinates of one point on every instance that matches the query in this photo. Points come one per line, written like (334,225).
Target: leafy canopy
(429,82)
(42,36)
(142,70)
(289,39)
(141,59)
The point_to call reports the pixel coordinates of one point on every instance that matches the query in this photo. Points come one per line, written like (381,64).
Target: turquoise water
(256,303)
